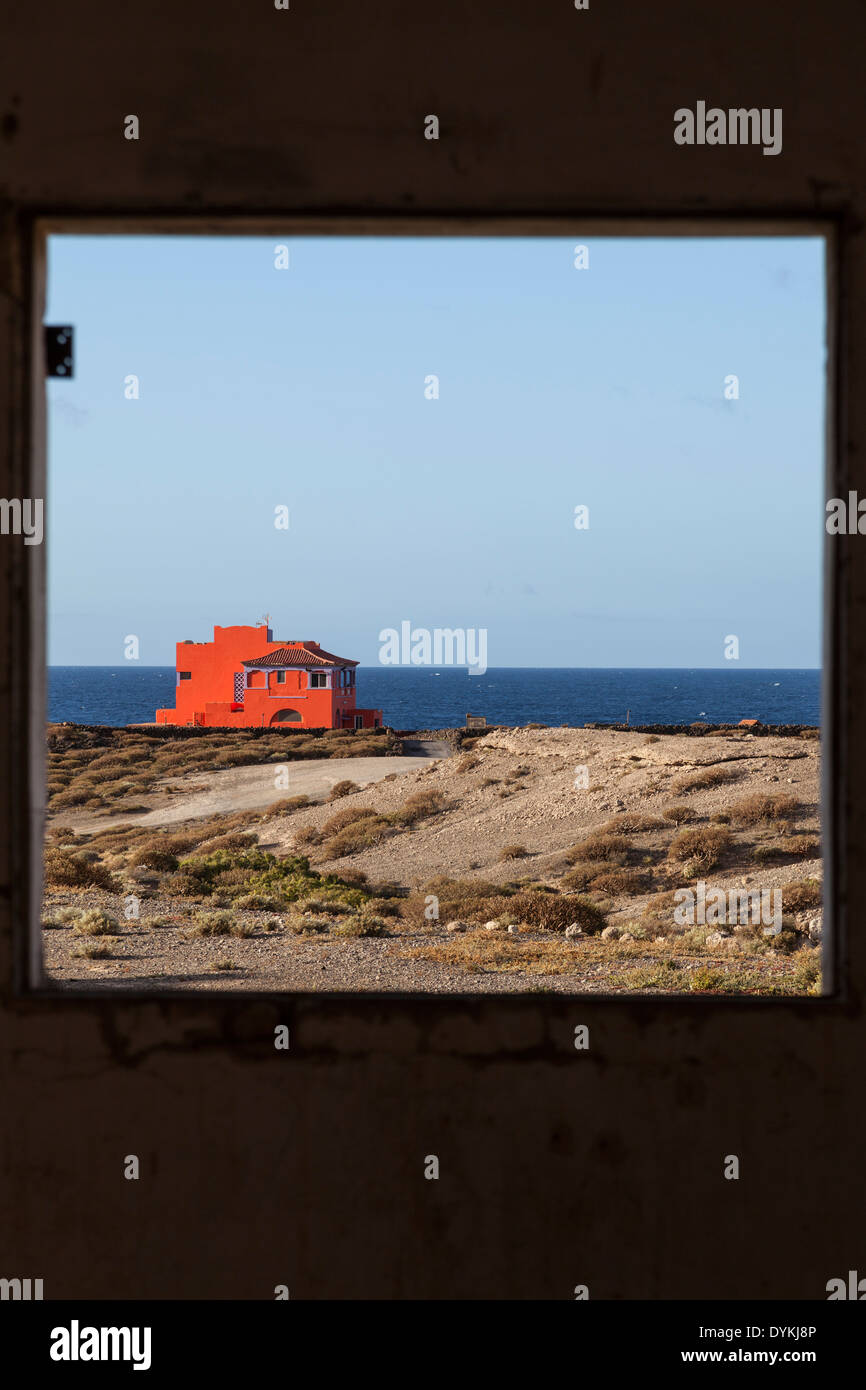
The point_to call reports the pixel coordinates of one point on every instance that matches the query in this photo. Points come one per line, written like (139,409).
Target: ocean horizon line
(446,666)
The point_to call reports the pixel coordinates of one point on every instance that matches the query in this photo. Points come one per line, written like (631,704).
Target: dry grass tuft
(600,846)
(765,807)
(696,779)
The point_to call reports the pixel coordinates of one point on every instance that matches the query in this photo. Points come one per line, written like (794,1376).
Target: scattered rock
(455,926)
(611,933)
(715,938)
(492,926)
(574,930)
(514,930)
(815,929)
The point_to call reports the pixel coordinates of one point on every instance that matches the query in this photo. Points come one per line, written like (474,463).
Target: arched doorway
(286,716)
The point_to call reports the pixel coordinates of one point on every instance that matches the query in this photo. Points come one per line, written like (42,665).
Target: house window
(184,675)
(281,678)
(359,721)
(318,680)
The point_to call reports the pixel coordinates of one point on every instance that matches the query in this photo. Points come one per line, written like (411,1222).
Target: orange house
(244,678)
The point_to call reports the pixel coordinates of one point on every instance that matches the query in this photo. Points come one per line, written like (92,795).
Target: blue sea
(423,698)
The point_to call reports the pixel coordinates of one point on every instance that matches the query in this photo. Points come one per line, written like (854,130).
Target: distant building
(244,678)
(748,723)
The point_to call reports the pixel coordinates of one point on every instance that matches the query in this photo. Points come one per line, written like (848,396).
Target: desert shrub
(73,796)
(64,917)
(659,910)
(384,907)
(619,880)
(467,763)
(490,781)
(184,884)
(183,842)
(307,835)
(806,973)
(698,778)
(344,788)
(237,874)
(764,807)
(805,892)
(325,905)
(153,856)
(94,922)
(347,816)
(703,847)
(224,963)
(287,805)
(652,738)
(212,924)
(720,818)
(235,839)
(767,854)
(555,912)
(96,950)
(803,846)
(513,852)
(353,838)
(361,925)
(62,834)
(635,822)
(258,902)
(611,847)
(66,870)
(308,924)
(464,898)
(680,815)
(786,941)
(419,806)
(355,878)
(580,875)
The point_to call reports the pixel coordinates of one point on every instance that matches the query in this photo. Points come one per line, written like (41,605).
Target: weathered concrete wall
(306,1168)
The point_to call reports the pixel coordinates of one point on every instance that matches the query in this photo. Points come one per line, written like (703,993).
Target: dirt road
(252,788)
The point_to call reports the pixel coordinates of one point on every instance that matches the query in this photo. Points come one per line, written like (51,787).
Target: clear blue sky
(558,387)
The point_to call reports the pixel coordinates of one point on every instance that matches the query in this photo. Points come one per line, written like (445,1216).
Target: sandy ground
(517,787)
(542,810)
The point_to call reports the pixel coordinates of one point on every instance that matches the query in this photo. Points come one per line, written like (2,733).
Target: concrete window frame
(28,704)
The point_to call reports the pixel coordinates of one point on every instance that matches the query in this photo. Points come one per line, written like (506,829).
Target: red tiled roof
(299,654)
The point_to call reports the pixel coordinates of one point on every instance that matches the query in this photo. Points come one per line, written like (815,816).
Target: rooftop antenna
(266,619)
